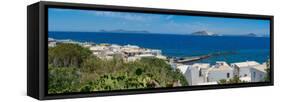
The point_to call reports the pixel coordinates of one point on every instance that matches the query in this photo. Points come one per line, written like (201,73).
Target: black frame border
(43,48)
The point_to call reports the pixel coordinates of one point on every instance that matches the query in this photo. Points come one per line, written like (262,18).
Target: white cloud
(122,15)
(169,17)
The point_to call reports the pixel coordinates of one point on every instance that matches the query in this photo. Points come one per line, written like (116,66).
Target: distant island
(124,31)
(251,35)
(207,33)
(204,33)
(197,33)
(247,35)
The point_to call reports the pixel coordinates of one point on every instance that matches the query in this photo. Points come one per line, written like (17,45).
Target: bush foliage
(73,68)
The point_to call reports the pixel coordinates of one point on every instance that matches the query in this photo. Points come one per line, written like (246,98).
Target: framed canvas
(85,50)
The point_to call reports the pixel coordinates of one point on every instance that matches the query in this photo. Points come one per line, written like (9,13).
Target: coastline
(208,73)
(259,55)
(248,48)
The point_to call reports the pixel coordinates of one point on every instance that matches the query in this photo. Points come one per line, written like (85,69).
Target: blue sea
(173,45)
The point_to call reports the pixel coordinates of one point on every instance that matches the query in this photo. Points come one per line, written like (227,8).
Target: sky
(92,20)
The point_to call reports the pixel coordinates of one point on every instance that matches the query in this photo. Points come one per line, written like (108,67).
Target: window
(227,75)
(254,75)
(200,73)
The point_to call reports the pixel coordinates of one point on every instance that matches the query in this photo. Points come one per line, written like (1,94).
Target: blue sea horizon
(174,45)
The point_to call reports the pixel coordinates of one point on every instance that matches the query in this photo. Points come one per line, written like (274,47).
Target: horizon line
(148,32)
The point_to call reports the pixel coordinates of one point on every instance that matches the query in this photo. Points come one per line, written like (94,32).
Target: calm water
(245,48)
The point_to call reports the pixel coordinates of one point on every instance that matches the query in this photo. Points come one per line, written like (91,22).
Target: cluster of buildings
(206,74)
(196,74)
(128,52)
(109,51)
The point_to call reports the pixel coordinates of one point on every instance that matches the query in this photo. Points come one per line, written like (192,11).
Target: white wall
(259,75)
(13,51)
(192,75)
(188,76)
(244,71)
(215,76)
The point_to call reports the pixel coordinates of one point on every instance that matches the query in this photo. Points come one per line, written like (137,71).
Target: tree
(159,71)
(92,64)
(67,55)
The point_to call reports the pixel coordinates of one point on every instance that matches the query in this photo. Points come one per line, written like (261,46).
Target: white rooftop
(145,55)
(201,65)
(183,68)
(246,64)
(115,46)
(220,66)
(261,67)
(131,46)
(97,48)
(51,39)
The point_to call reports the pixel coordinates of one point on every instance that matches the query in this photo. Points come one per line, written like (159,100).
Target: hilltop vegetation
(73,68)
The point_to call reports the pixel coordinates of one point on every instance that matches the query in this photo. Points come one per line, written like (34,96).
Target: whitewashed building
(51,42)
(221,70)
(205,74)
(250,71)
(194,73)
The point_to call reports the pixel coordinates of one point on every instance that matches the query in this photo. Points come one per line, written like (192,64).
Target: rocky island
(204,33)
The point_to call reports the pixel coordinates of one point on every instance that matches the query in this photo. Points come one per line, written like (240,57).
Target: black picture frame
(37,39)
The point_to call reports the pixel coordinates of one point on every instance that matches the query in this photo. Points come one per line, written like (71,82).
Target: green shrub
(62,80)
(67,55)
(73,68)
